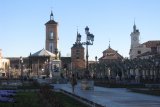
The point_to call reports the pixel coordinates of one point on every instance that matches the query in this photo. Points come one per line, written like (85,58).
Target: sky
(22,28)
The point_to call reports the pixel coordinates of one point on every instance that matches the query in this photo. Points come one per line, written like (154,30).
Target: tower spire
(134,26)
(51,15)
(77,35)
(109,44)
(78,39)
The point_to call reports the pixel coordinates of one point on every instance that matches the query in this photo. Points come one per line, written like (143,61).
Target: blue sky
(22,28)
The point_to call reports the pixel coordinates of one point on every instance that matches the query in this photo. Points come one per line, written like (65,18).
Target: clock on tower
(134,38)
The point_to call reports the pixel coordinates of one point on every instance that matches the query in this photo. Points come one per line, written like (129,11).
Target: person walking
(73,82)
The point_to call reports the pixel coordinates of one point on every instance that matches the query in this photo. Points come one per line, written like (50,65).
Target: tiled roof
(43,52)
(110,54)
(109,50)
(153,43)
(77,46)
(51,22)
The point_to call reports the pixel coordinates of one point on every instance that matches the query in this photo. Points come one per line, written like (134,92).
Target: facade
(77,56)
(40,62)
(144,50)
(134,43)
(152,49)
(110,55)
(17,64)
(52,35)
(4,65)
(52,46)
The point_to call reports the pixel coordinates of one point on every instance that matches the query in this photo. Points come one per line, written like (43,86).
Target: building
(4,65)
(144,50)
(110,55)
(40,63)
(17,64)
(52,35)
(47,61)
(77,56)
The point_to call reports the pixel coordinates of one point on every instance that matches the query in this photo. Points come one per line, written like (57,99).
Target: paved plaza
(113,97)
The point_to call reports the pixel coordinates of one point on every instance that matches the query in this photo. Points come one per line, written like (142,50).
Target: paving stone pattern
(113,97)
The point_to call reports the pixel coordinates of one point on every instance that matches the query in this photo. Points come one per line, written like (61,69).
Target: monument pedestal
(55,68)
(87,84)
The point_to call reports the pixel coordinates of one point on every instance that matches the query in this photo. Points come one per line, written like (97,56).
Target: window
(51,35)
(139,52)
(51,47)
(154,49)
(77,51)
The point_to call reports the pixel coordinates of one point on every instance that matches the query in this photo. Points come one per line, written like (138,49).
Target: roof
(77,45)
(111,54)
(153,43)
(109,50)
(51,22)
(43,52)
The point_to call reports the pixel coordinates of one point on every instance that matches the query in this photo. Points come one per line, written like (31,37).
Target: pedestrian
(73,82)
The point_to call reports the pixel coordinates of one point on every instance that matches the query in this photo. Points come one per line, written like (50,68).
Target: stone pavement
(113,97)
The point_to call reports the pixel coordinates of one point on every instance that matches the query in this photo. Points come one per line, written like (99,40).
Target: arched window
(51,35)
(51,47)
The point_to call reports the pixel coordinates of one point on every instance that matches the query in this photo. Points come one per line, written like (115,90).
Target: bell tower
(77,55)
(134,42)
(135,37)
(51,43)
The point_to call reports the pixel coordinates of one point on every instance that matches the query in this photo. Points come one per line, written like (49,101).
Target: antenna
(134,21)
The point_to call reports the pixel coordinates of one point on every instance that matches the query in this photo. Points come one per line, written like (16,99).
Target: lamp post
(21,63)
(85,84)
(89,41)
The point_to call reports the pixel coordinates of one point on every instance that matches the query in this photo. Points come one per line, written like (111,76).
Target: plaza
(110,97)
(95,53)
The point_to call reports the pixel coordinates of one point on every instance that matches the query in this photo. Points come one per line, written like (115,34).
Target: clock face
(134,38)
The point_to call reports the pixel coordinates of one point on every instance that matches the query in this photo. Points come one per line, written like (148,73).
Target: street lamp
(21,63)
(89,41)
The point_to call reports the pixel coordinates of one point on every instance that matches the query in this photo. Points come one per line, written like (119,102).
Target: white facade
(134,52)
(137,49)
(135,37)
(134,49)
(4,64)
